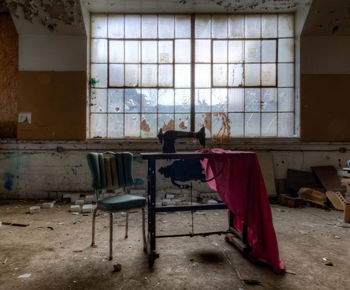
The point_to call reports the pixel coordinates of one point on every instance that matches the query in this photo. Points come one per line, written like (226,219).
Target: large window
(233,74)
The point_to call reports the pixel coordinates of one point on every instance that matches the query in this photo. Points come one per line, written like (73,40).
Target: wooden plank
(328,177)
(313,195)
(268,171)
(336,199)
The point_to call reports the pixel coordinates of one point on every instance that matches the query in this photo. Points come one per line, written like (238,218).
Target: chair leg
(93,227)
(110,236)
(144,230)
(126,225)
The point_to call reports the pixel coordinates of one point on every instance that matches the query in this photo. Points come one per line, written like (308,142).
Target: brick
(34,209)
(75,208)
(87,208)
(48,204)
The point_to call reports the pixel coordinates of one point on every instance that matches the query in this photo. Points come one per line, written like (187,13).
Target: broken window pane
(166,122)
(182,26)
(252,75)
(182,75)
(219,100)
(235,51)
(132,75)
(99,25)
(203,51)
(268,53)
(132,51)
(252,51)
(235,75)
(183,122)
(166,26)
(269,25)
(220,51)
(99,75)
(286,50)
(149,126)
(252,26)
(116,75)
(285,25)
(285,99)
(99,50)
(285,124)
(182,101)
(132,125)
(236,100)
(98,125)
(203,120)
(252,124)
(203,76)
(149,26)
(166,100)
(268,99)
(132,100)
(182,50)
(221,126)
(268,124)
(236,124)
(202,102)
(220,75)
(268,74)
(149,75)
(165,78)
(132,26)
(116,51)
(149,52)
(165,51)
(149,99)
(252,100)
(98,100)
(115,126)
(115,100)
(285,74)
(203,26)
(219,26)
(236,26)
(116,26)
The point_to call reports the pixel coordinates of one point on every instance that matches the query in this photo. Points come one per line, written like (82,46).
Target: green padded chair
(115,203)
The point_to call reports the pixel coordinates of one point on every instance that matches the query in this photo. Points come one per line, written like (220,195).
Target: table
(239,239)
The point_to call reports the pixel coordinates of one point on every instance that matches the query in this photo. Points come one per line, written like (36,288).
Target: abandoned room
(174,144)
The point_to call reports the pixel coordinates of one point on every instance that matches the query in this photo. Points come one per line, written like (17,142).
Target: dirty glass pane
(203,51)
(269,25)
(98,100)
(132,100)
(252,100)
(236,100)
(286,50)
(99,74)
(149,100)
(235,51)
(285,25)
(183,122)
(236,124)
(285,99)
(182,101)
(165,77)
(203,120)
(235,75)
(166,122)
(182,26)
(149,26)
(286,74)
(166,100)
(268,53)
(132,26)
(203,26)
(165,51)
(252,124)
(252,51)
(252,26)
(219,26)
(182,50)
(115,126)
(203,76)
(132,75)
(149,126)
(116,75)
(132,125)
(268,99)
(149,52)
(268,74)
(220,51)
(99,25)
(98,125)
(202,102)
(115,100)
(149,75)
(236,26)
(132,51)
(252,74)
(221,126)
(166,26)
(116,51)
(116,26)
(182,75)
(219,100)
(285,124)
(268,124)
(99,50)
(220,75)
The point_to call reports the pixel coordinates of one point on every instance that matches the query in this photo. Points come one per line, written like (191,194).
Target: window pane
(285,75)
(166,26)
(219,26)
(203,26)
(116,75)
(285,124)
(252,51)
(132,51)
(268,100)
(149,126)
(182,26)
(166,122)
(268,74)
(252,124)
(149,26)
(236,124)
(132,26)
(182,50)
(99,25)
(149,100)
(132,75)
(149,75)
(99,50)
(236,100)
(166,100)
(116,26)
(116,100)
(98,100)
(182,101)
(115,126)
(220,75)
(98,125)
(149,52)
(285,99)
(182,122)
(252,100)
(132,100)
(203,120)
(269,25)
(165,51)
(182,75)
(99,74)
(235,75)
(268,53)
(236,26)
(219,100)
(252,26)
(285,25)
(165,78)
(269,124)
(203,51)
(132,125)
(235,51)
(202,103)
(285,50)
(203,76)
(116,51)
(220,125)
(220,51)
(252,74)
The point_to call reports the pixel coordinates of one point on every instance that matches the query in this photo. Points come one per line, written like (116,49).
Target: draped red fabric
(239,182)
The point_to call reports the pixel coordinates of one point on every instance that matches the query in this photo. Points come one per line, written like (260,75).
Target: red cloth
(240,184)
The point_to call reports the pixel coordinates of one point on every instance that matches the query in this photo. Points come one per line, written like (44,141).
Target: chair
(111,170)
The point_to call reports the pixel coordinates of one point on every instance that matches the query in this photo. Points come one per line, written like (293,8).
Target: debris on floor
(48,204)
(27,275)
(34,209)
(117,267)
(14,224)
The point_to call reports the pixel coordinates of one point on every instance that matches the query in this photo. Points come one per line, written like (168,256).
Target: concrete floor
(60,257)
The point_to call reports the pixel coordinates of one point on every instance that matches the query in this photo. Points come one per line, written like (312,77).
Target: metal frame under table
(237,238)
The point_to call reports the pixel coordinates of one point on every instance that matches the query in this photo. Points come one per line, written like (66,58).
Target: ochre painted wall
(57,103)
(325,107)
(8,77)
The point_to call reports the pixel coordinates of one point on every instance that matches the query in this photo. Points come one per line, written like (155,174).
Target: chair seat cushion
(123,202)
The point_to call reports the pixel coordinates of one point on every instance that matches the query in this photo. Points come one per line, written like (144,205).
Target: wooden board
(57,103)
(313,195)
(324,107)
(267,170)
(328,177)
(336,199)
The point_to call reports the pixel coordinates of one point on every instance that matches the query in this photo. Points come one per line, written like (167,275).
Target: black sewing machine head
(168,138)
